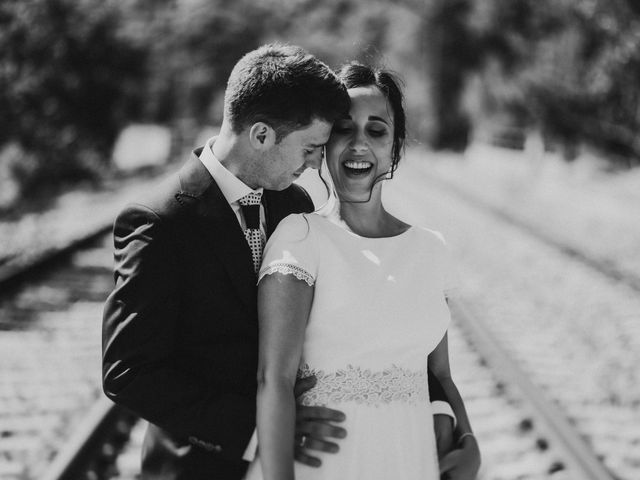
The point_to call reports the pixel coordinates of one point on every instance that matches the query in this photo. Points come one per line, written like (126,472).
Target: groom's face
(297,151)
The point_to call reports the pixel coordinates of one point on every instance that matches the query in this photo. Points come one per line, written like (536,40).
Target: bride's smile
(356,168)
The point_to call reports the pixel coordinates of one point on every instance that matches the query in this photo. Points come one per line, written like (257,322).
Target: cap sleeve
(291,250)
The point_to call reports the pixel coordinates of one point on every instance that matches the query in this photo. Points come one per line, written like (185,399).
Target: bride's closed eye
(377,132)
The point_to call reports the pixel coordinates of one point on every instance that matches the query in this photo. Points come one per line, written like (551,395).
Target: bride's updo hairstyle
(355,74)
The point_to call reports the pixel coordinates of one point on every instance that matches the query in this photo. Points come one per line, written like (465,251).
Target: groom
(180,327)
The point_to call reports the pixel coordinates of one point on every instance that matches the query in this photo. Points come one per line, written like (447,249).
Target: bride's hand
(462,463)
(314,426)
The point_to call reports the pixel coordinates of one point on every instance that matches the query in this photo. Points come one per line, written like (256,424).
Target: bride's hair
(353,75)
(331,207)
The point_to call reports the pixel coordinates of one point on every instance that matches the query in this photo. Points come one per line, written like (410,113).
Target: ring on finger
(303,441)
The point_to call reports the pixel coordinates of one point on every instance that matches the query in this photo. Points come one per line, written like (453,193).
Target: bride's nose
(359,143)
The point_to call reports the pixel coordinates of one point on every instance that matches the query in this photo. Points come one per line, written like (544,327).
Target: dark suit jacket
(180,328)
(180,336)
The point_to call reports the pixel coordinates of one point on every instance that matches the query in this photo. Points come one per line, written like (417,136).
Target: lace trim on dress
(288,269)
(362,386)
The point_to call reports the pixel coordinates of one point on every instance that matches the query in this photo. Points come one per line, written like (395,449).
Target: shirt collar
(231,186)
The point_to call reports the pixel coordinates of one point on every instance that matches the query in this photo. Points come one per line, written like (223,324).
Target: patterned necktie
(250,205)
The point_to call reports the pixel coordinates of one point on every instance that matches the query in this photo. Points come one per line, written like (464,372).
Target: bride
(357,297)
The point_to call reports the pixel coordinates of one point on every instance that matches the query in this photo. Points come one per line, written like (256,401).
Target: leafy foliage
(570,67)
(192,47)
(451,54)
(74,72)
(67,81)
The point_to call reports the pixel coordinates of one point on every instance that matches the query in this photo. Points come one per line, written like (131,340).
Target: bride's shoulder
(309,219)
(433,237)
(295,220)
(296,226)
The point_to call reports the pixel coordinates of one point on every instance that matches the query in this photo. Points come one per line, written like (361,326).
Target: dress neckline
(342,225)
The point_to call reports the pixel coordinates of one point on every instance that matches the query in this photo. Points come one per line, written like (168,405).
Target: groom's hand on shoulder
(314,426)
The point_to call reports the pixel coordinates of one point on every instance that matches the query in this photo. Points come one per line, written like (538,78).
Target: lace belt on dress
(363,386)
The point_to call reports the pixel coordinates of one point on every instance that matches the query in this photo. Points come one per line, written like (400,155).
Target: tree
(451,54)
(68,81)
(192,45)
(569,67)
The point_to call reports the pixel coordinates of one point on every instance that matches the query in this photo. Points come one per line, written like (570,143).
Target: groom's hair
(285,87)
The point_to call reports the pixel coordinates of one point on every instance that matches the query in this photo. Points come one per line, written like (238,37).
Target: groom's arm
(140,323)
(443,416)
(464,460)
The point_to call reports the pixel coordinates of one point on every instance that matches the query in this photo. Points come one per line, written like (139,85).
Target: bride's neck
(370,219)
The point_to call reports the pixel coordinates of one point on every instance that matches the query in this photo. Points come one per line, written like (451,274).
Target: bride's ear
(262,136)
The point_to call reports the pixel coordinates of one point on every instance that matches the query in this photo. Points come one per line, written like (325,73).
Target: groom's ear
(262,136)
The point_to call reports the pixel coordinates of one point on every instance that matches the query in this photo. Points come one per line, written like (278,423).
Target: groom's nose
(314,161)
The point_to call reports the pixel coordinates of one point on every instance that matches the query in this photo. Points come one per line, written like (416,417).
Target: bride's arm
(284,303)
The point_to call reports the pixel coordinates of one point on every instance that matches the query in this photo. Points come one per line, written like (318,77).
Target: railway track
(54,420)
(602,266)
(55,423)
(569,453)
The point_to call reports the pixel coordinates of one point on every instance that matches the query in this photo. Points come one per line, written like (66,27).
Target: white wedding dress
(378,310)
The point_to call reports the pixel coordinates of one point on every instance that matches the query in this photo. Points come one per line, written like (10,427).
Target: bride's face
(359,148)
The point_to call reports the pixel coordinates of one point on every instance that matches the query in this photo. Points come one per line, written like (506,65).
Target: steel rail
(561,434)
(80,448)
(105,427)
(94,435)
(18,270)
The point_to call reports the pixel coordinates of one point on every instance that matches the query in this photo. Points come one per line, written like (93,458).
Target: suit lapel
(270,220)
(217,222)
(275,209)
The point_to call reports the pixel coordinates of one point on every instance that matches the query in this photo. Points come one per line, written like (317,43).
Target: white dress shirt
(231,186)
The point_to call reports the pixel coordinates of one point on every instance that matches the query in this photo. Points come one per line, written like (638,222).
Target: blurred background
(75,73)
(527,109)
